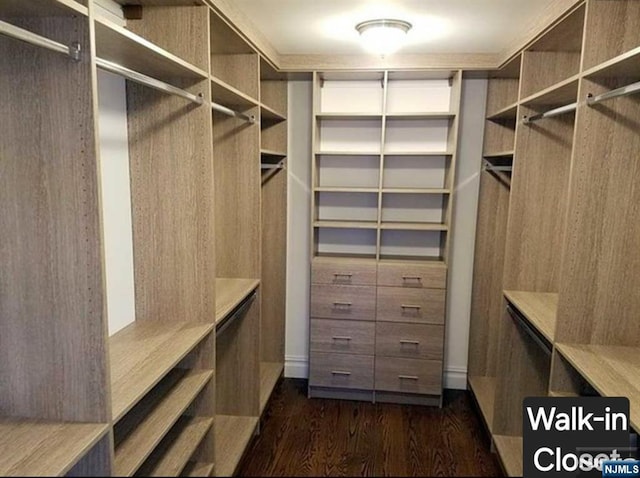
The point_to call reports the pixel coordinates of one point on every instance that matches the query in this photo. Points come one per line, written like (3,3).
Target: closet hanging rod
(624,91)
(147,81)
(234,114)
(551,113)
(26,36)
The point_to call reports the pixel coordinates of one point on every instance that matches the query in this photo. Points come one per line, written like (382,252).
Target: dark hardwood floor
(302,437)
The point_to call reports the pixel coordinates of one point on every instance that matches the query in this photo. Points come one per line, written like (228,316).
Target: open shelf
(626,65)
(484,389)
(338,189)
(510,451)
(508,112)
(338,255)
(227,95)
(270,372)
(272,155)
(418,116)
(42,8)
(394,258)
(232,435)
(346,224)
(416,191)
(155,417)
(194,468)
(348,116)
(612,370)
(418,153)
(561,93)
(119,45)
(36,448)
(540,309)
(413,226)
(144,352)
(269,114)
(230,293)
(174,452)
(499,154)
(347,153)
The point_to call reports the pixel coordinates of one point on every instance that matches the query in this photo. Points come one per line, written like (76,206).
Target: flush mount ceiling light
(383,36)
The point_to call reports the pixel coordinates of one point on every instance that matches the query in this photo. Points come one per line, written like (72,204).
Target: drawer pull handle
(338,274)
(342,337)
(415,278)
(414,307)
(342,304)
(408,377)
(340,372)
(409,342)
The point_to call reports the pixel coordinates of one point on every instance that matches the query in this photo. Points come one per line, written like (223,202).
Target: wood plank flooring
(302,437)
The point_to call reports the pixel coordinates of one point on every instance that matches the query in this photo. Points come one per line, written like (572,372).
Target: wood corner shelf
(626,65)
(232,436)
(271,115)
(559,94)
(227,95)
(270,373)
(507,113)
(510,452)
(484,389)
(540,309)
(230,293)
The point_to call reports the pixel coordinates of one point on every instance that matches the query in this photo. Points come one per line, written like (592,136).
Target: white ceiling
(439,26)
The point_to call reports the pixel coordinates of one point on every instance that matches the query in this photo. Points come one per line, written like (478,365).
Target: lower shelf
(484,389)
(197,469)
(270,373)
(510,452)
(232,436)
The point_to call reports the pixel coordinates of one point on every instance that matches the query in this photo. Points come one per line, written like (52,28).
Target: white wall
(464,223)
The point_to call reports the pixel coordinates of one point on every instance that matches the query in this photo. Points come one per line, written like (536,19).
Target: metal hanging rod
(551,113)
(234,114)
(624,91)
(147,81)
(7,29)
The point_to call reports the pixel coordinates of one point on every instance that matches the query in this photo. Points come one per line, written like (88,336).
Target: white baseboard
(296,366)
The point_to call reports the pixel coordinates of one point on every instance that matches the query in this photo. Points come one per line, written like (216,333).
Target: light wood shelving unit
(167,394)
(569,266)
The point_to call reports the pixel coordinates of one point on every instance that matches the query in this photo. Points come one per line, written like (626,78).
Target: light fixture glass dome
(383,36)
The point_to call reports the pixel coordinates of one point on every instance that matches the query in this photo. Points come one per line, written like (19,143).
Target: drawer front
(420,341)
(420,276)
(409,375)
(396,304)
(343,271)
(342,336)
(347,302)
(341,371)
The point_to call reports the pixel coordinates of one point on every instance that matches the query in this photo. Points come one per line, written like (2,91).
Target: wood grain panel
(343,302)
(418,341)
(239,70)
(341,371)
(412,275)
(342,336)
(230,293)
(501,93)
(539,308)
(541,69)
(232,436)
(273,135)
(343,271)
(509,450)
(273,93)
(409,375)
(52,304)
(499,136)
(397,304)
(236,154)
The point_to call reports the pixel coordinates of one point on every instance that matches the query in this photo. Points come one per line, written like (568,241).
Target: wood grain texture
(236,155)
(542,69)
(538,307)
(343,271)
(139,433)
(229,96)
(178,446)
(98,461)
(558,94)
(486,298)
(172,206)
(230,293)
(42,8)
(395,304)
(406,375)
(320,437)
(238,70)
(341,371)
(411,275)
(273,134)
(270,373)
(181,30)
(36,448)
(343,302)
(602,258)
(198,469)
(484,391)
(499,135)
(501,93)
(418,341)
(232,436)
(53,325)
(273,94)
(509,450)
(537,209)
(611,370)
(342,336)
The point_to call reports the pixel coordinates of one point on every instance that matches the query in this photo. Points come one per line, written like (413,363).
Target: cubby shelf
(508,112)
(540,309)
(347,153)
(119,45)
(626,65)
(269,114)
(413,226)
(346,224)
(232,435)
(143,353)
(561,93)
(484,389)
(270,373)
(418,153)
(416,191)
(271,155)
(227,95)
(44,8)
(194,468)
(417,116)
(612,370)
(37,448)
(165,410)
(510,450)
(328,189)
(499,154)
(348,116)
(230,293)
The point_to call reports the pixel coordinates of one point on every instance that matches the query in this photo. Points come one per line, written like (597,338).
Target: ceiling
(439,26)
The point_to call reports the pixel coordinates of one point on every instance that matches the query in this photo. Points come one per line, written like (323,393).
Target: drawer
(343,271)
(343,302)
(397,304)
(341,370)
(420,341)
(409,375)
(342,336)
(421,276)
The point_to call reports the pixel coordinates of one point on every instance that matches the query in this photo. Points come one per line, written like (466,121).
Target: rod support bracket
(75,51)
